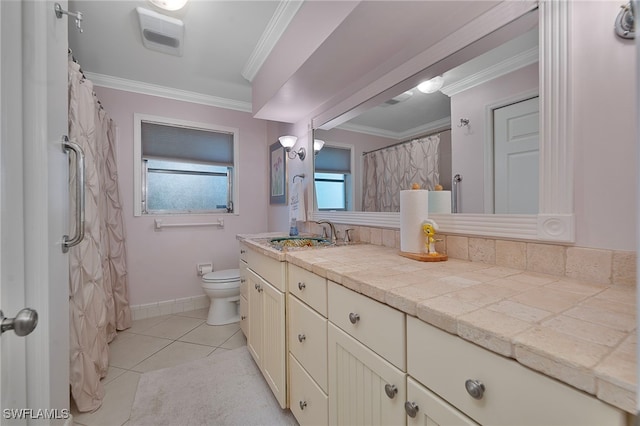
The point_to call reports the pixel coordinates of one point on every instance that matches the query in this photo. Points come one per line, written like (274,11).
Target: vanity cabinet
(367,384)
(307,337)
(266,338)
(494,390)
(244,301)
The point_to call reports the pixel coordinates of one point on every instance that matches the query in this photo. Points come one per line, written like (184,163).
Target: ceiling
(223,40)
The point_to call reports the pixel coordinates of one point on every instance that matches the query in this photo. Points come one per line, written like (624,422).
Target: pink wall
(162,265)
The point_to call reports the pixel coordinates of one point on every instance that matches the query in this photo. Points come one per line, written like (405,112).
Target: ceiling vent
(160,32)
(400,98)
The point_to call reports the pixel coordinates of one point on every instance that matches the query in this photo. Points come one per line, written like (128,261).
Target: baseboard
(167,307)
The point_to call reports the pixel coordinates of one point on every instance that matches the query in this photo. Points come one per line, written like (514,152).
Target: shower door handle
(79,213)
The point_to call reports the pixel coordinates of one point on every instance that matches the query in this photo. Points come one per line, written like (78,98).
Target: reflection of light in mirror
(317,145)
(431,86)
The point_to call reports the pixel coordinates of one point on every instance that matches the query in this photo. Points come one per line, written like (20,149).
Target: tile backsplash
(581,263)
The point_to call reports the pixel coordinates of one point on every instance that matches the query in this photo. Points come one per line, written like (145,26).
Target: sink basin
(298,242)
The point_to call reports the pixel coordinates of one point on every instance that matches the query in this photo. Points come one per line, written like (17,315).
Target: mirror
(429,135)
(553,219)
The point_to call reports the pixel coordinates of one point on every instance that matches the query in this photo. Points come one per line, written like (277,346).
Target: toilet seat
(225,279)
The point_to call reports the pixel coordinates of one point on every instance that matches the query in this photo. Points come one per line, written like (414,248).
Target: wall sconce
(287,143)
(317,145)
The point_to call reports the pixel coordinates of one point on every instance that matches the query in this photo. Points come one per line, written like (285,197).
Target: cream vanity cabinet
(367,379)
(266,340)
(453,381)
(307,336)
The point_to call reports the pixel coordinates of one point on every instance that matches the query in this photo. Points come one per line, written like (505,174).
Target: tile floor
(151,344)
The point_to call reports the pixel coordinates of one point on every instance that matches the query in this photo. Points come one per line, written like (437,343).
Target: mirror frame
(555,220)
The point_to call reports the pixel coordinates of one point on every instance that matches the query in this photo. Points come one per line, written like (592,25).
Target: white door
(34,373)
(516,146)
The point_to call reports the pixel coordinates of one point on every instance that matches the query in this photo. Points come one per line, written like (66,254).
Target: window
(183,167)
(333,181)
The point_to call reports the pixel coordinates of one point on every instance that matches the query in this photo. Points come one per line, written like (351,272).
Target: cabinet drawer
(513,394)
(308,403)
(378,326)
(243,278)
(308,340)
(272,270)
(429,409)
(308,287)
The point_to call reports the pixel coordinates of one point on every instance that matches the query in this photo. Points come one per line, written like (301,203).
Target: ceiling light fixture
(431,86)
(169,4)
(287,143)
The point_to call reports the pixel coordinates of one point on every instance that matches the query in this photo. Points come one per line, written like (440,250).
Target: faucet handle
(324,232)
(347,236)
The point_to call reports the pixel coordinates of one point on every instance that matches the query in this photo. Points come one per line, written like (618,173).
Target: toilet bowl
(223,289)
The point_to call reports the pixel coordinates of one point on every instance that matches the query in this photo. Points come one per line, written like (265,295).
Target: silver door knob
(390,390)
(411,408)
(475,388)
(24,323)
(301,286)
(301,338)
(303,404)
(354,318)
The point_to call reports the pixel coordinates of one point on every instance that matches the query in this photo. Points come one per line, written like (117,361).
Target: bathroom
(162,264)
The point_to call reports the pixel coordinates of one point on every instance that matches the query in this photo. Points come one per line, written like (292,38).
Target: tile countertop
(581,333)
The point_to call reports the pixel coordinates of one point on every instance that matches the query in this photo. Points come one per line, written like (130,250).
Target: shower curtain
(389,170)
(98,293)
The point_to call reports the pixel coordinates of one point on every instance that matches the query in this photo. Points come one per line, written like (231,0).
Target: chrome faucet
(334,233)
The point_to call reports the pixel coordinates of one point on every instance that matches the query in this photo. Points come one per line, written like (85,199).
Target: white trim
(137,156)
(279,22)
(166,307)
(503,67)
(441,124)
(117,83)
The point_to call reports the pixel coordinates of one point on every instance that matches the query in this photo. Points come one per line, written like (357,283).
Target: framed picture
(278,174)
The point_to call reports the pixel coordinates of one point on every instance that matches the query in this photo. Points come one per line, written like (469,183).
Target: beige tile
(458,247)
(619,295)
(112,373)
(406,298)
(175,354)
(139,326)
(443,312)
(546,258)
(585,330)
(589,264)
(482,250)
(579,287)
(117,403)
(617,375)
(129,349)
(520,311)
(173,327)
(389,238)
(509,282)
(548,299)
(624,268)
(365,234)
(614,319)
(534,278)
(375,236)
(210,335)
(492,330)
(482,294)
(202,313)
(236,341)
(441,243)
(511,254)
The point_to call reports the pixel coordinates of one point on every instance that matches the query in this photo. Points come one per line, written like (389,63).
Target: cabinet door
(358,384)
(273,341)
(308,402)
(254,339)
(427,409)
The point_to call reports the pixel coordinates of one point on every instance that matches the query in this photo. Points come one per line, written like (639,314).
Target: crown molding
(511,64)
(166,92)
(275,28)
(420,130)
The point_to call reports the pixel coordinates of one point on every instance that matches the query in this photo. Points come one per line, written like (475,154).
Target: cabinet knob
(242,280)
(301,286)
(475,388)
(390,390)
(242,251)
(411,408)
(243,317)
(301,338)
(256,285)
(354,318)
(303,404)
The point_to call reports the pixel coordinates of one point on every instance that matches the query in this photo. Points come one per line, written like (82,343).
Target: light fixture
(287,143)
(169,4)
(431,86)
(317,145)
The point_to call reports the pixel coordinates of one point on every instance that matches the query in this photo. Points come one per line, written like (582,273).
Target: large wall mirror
(489,132)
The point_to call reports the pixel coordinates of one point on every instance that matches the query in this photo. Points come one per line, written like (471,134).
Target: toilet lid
(223,276)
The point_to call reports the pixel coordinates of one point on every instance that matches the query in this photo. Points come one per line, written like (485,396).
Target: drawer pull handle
(303,404)
(301,286)
(411,409)
(390,390)
(243,317)
(354,318)
(475,388)
(242,251)
(301,338)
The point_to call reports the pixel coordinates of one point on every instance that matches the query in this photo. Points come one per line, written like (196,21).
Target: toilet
(223,289)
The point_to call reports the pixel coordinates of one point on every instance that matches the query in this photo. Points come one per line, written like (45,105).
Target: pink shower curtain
(98,288)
